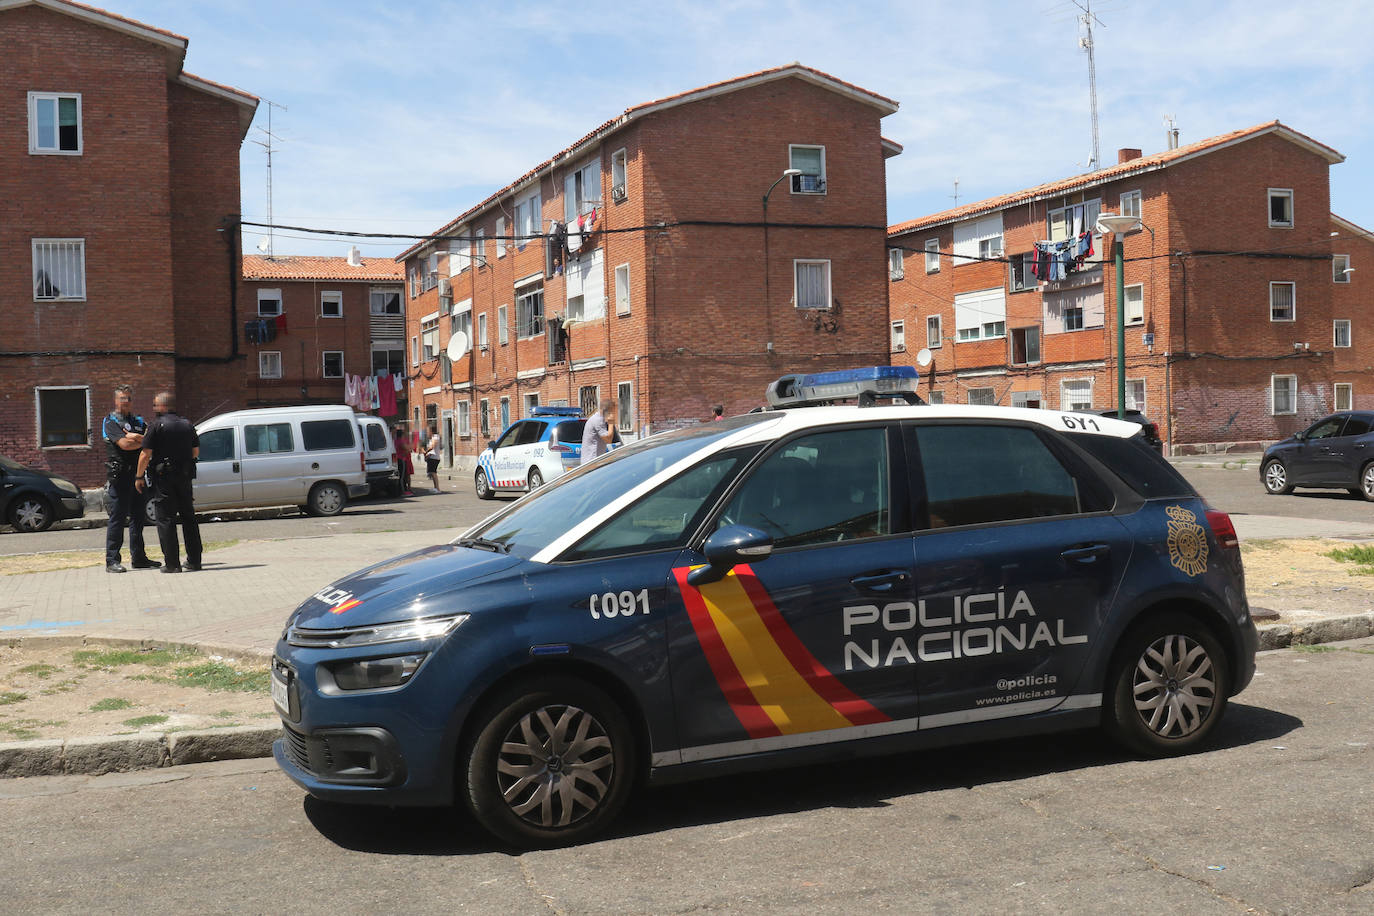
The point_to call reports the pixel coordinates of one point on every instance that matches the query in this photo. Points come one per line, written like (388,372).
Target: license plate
(279,696)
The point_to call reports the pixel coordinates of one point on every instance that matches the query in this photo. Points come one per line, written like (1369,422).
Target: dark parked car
(1335,452)
(1149,430)
(31,500)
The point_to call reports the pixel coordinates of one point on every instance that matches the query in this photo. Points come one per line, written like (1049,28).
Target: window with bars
(811,161)
(898,336)
(59,269)
(984,396)
(484,418)
(55,123)
(588,399)
(624,403)
(1340,332)
(812,290)
(1282,304)
(269,364)
(1283,394)
(1345,397)
(1076,394)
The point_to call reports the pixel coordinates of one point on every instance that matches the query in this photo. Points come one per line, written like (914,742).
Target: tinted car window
(568,431)
(530,431)
(1325,429)
(319,435)
(1136,464)
(1356,425)
(510,436)
(818,489)
(376,437)
(264,438)
(980,474)
(217,445)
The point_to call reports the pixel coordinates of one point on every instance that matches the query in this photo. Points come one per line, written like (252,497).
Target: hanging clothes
(279,324)
(349,390)
(374,400)
(386,398)
(396,381)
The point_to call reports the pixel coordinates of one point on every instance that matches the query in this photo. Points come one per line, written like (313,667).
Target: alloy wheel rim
(1173,686)
(481,483)
(536,480)
(30,515)
(1276,476)
(1369,481)
(556,766)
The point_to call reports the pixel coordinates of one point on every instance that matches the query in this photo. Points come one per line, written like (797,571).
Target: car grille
(313,755)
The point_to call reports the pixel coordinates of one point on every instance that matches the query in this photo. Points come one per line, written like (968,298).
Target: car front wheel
(30,514)
(1367,482)
(1276,478)
(483,486)
(552,763)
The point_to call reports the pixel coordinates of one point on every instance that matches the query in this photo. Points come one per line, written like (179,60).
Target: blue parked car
(1336,452)
(531,452)
(780,588)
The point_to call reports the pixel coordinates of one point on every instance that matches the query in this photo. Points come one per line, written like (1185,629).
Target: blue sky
(401,116)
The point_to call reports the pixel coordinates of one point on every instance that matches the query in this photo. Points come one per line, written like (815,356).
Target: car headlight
(372,673)
(376,634)
(65,486)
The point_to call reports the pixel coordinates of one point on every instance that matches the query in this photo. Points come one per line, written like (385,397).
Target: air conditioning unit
(445,287)
(808,184)
(618,193)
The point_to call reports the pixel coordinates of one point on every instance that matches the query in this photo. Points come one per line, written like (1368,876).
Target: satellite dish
(457,346)
(264,244)
(923,358)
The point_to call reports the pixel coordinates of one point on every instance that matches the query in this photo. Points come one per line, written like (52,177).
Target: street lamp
(767,308)
(1118,226)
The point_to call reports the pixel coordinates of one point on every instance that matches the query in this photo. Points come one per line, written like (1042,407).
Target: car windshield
(536,521)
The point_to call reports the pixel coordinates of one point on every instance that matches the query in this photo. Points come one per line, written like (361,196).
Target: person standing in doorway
(123,433)
(432,457)
(170,449)
(597,435)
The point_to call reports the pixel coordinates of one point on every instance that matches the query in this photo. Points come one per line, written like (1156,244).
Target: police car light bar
(865,385)
(556,412)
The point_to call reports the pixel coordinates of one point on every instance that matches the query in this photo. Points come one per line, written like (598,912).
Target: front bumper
(72,506)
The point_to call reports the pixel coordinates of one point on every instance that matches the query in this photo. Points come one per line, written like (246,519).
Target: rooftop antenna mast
(267,145)
(955,195)
(1085,41)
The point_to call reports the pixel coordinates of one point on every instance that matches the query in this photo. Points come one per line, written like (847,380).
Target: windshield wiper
(483,544)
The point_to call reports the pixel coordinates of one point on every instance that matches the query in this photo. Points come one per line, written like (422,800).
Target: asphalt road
(1238,491)
(1279,817)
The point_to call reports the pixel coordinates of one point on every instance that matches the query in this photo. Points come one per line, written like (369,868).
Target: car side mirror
(729,547)
(1301,437)
(491,444)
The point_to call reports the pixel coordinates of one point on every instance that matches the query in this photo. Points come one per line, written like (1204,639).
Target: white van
(380,452)
(310,457)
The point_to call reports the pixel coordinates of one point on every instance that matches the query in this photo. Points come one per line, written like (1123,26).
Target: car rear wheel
(1169,686)
(1367,482)
(1276,478)
(31,513)
(534,479)
(327,498)
(551,764)
(483,485)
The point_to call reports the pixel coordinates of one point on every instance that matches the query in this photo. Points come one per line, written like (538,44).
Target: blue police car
(531,451)
(784,587)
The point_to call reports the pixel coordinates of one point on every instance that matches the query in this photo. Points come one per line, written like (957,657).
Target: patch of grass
(39,670)
(225,714)
(140,721)
(1315,649)
(1362,557)
(109,704)
(113,658)
(18,732)
(219,676)
(12,696)
(61,686)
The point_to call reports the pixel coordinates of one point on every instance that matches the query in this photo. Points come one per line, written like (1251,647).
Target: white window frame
(324,364)
(503,325)
(480,248)
(503,411)
(464,420)
(1140,402)
(267,295)
(264,370)
(796,183)
(482,330)
(936,396)
(529,218)
(1028,280)
(388,347)
(1293,409)
(78,247)
(415,350)
(985,330)
(1336,327)
(459,254)
(932,256)
(500,237)
(484,418)
(529,289)
(624,406)
(899,336)
(372,300)
(620,190)
(1065,403)
(578,186)
(976,239)
(1135,315)
(429,337)
(936,341)
(331,295)
(529,402)
(584,280)
(829,298)
(1349,396)
(1340,264)
(1286,193)
(1058,221)
(38,416)
(1039,345)
(1131,204)
(1292,302)
(895,264)
(622,289)
(991,396)
(55,97)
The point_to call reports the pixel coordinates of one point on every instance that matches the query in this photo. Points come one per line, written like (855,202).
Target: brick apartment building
(119,195)
(700,273)
(1352,310)
(329,317)
(1233,306)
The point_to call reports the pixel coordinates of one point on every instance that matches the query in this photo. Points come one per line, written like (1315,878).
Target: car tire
(1366,482)
(484,490)
(1275,477)
(30,513)
(534,480)
(527,784)
(1168,686)
(149,511)
(326,499)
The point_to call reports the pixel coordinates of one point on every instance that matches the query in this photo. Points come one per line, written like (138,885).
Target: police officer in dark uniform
(170,449)
(123,433)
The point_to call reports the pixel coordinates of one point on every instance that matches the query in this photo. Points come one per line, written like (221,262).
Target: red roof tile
(307,267)
(1102,176)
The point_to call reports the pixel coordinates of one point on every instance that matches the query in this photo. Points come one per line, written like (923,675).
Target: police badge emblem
(1187,541)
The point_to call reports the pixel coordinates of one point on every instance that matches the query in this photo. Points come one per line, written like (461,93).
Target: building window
(1027,399)
(269,303)
(1282,304)
(588,399)
(333,364)
(935,337)
(528,219)
(986,397)
(619,191)
(894,264)
(980,315)
(1074,219)
(460,320)
(269,364)
(1076,394)
(429,337)
(502,328)
(1345,396)
(812,279)
(932,256)
(1073,318)
(55,123)
(390,356)
(459,258)
(811,161)
(431,274)
(1283,394)
(482,330)
(415,351)
(1130,204)
(1135,303)
(529,312)
(1021,276)
(464,420)
(977,238)
(414,280)
(505,412)
(898,336)
(1280,209)
(1340,268)
(59,269)
(384,302)
(936,397)
(585,279)
(624,406)
(581,191)
(481,253)
(1025,346)
(622,289)
(331,305)
(531,402)
(445,369)
(64,416)
(1135,394)
(1340,332)
(500,236)
(484,418)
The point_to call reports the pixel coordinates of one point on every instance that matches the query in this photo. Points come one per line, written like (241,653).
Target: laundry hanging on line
(1057,260)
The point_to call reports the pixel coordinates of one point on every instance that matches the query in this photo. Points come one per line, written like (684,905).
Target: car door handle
(1359,445)
(1086,553)
(879,581)
(236,467)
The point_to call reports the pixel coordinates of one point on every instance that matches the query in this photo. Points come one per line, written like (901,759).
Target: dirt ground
(21,563)
(1297,579)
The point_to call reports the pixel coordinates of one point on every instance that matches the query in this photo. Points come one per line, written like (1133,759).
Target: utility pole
(267,145)
(1086,19)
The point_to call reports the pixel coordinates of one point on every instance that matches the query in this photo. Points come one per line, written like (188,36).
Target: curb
(1335,629)
(142,751)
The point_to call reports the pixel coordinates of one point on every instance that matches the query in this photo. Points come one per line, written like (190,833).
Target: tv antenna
(268,146)
(1085,41)
(955,195)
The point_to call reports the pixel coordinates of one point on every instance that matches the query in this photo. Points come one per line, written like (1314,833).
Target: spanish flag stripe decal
(854,708)
(755,721)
